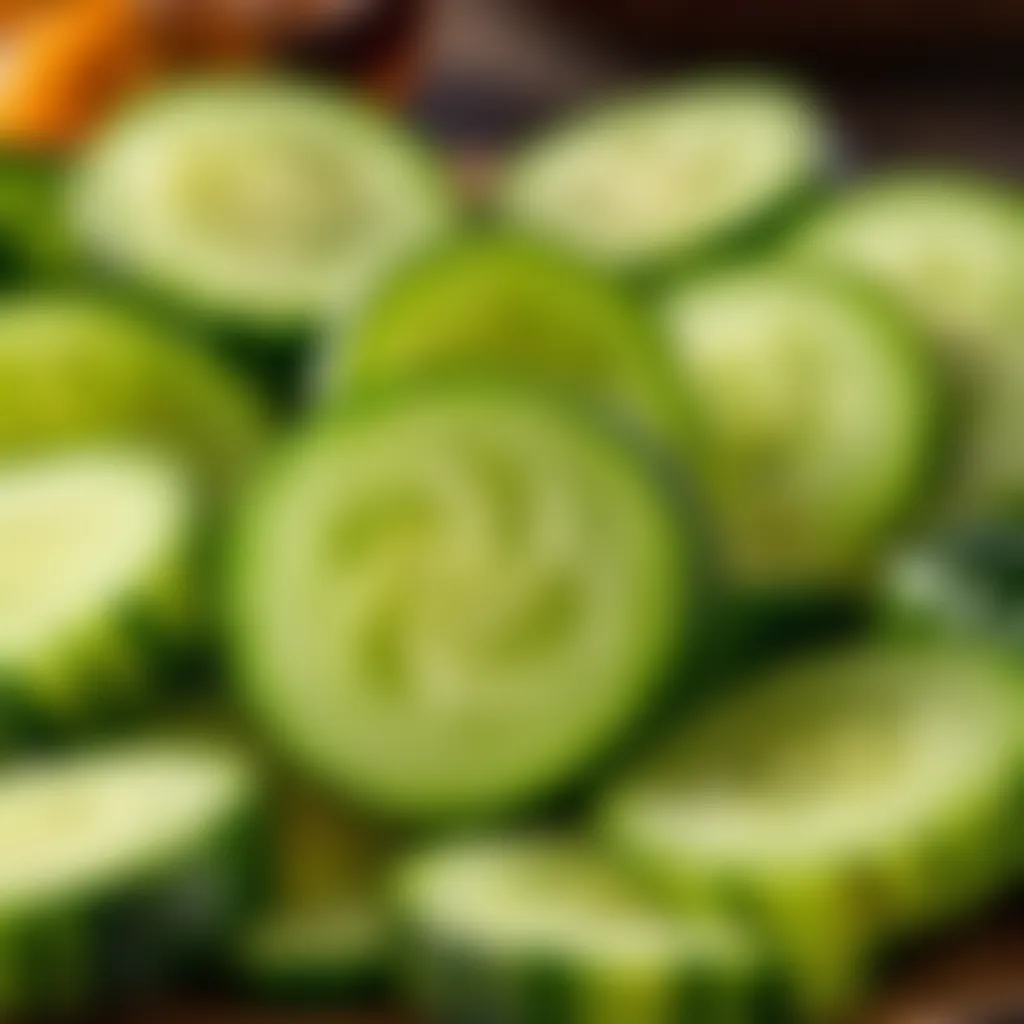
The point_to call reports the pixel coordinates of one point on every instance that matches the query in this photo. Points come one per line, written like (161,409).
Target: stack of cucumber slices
(426,686)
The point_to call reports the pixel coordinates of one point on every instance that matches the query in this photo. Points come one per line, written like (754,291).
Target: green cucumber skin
(688,669)
(752,234)
(350,358)
(35,244)
(109,949)
(234,327)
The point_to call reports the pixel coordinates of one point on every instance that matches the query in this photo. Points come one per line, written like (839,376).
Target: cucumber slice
(119,867)
(950,248)
(77,370)
(500,302)
(671,175)
(34,239)
(259,204)
(456,598)
(951,251)
(96,549)
(842,802)
(526,930)
(820,415)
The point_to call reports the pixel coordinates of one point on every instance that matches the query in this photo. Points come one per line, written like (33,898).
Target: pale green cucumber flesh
(258,202)
(670,175)
(820,418)
(458,596)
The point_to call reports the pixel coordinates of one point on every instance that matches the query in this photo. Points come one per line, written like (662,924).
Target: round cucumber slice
(77,370)
(511,305)
(118,867)
(257,203)
(671,175)
(950,249)
(820,416)
(455,598)
(97,553)
(842,801)
(540,929)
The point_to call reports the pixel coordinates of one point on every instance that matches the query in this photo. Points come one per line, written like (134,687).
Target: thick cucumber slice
(117,867)
(96,550)
(259,204)
(528,931)
(75,370)
(504,303)
(842,802)
(820,416)
(951,250)
(455,598)
(669,176)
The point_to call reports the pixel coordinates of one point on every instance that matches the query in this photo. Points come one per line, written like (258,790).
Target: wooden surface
(495,74)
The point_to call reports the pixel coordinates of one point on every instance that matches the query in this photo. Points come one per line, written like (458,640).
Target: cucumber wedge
(672,175)
(257,204)
(950,249)
(842,802)
(504,303)
(97,556)
(120,869)
(535,930)
(77,370)
(456,598)
(821,419)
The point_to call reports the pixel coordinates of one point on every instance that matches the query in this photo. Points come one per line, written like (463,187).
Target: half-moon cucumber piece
(78,371)
(457,597)
(671,175)
(255,203)
(820,414)
(121,868)
(843,802)
(501,302)
(528,929)
(96,586)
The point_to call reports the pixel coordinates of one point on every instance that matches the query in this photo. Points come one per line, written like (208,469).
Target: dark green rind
(752,232)
(77,369)
(105,946)
(497,301)
(244,334)
(287,956)
(682,668)
(834,920)
(35,244)
(963,583)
